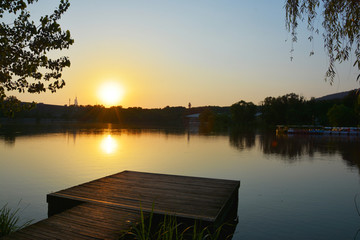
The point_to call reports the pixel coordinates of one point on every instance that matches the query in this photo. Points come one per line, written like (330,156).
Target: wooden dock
(85,221)
(102,208)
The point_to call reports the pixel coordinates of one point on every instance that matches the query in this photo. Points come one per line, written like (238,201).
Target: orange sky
(173,53)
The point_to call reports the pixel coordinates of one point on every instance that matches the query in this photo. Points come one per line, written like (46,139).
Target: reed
(168,228)
(9,221)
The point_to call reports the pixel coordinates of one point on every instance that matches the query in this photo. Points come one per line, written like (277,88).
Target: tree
(243,112)
(25,47)
(207,120)
(286,109)
(340,115)
(341,23)
(11,105)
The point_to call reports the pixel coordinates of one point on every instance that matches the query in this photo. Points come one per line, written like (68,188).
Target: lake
(292,187)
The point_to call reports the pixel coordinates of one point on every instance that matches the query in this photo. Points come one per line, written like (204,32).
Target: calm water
(291,187)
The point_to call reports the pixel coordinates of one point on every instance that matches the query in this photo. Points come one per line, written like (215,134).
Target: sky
(169,53)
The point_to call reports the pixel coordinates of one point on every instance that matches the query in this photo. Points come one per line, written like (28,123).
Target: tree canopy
(341,23)
(286,109)
(25,46)
(243,112)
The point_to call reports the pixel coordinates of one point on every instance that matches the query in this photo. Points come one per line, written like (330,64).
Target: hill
(335,96)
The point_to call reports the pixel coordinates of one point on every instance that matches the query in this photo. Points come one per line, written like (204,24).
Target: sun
(111,93)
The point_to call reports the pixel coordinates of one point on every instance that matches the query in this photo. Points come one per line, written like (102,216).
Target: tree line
(135,116)
(289,109)
(292,109)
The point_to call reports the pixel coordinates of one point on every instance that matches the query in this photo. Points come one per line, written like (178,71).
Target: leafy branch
(341,23)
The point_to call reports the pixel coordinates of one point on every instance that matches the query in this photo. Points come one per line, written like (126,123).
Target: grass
(9,221)
(168,228)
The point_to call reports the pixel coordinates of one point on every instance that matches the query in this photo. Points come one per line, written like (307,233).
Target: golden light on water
(111,93)
(109,145)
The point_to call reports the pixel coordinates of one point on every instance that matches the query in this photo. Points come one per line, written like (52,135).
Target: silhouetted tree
(286,109)
(340,115)
(25,47)
(207,120)
(243,112)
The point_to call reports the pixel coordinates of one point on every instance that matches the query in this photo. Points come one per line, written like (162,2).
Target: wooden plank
(147,195)
(132,179)
(136,177)
(102,208)
(86,221)
(189,197)
(148,207)
(203,211)
(126,190)
(126,187)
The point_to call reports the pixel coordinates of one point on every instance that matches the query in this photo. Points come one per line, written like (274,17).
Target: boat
(317,130)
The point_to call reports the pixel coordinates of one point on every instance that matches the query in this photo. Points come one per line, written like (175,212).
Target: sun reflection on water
(109,145)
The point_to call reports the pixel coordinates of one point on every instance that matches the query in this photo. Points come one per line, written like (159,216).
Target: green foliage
(25,47)
(170,116)
(291,109)
(210,121)
(167,228)
(9,221)
(207,117)
(143,230)
(207,120)
(340,115)
(243,113)
(287,109)
(341,28)
(170,229)
(11,105)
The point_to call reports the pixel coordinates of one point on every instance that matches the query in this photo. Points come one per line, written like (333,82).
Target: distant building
(193,123)
(193,118)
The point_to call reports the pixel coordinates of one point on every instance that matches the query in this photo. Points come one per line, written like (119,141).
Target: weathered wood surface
(188,197)
(85,221)
(103,208)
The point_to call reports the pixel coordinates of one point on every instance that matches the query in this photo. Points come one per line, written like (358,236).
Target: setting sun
(111,93)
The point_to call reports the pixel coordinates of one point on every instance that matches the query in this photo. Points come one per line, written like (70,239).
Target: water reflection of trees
(291,148)
(242,140)
(287,147)
(9,140)
(9,133)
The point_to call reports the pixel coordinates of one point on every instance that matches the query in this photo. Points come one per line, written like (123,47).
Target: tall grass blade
(9,221)
(169,229)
